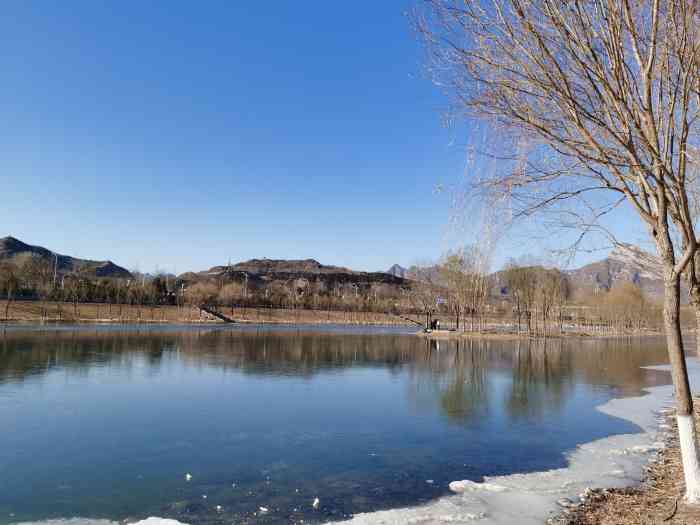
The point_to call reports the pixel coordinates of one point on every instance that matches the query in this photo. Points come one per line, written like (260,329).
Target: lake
(106,421)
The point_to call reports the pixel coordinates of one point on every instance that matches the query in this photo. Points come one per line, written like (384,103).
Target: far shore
(51,312)
(495,335)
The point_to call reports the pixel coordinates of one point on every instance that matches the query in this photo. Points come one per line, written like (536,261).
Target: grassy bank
(35,312)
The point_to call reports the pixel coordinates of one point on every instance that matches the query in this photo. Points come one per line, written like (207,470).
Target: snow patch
(158,521)
(466,485)
(89,521)
(641,449)
(69,521)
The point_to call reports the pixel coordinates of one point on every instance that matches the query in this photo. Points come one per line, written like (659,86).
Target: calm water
(104,422)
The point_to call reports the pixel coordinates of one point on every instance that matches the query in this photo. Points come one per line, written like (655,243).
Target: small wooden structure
(213,311)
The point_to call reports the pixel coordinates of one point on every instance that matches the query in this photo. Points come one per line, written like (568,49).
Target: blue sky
(180,135)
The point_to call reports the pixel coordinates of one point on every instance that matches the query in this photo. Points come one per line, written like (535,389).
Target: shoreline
(524,336)
(658,498)
(183,322)
(60,313)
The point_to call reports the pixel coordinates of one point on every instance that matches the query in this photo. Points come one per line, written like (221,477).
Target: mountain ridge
(262,271)
(18,252)
(625,263)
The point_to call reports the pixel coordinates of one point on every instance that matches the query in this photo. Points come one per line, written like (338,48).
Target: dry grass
(658,500)
(34,311)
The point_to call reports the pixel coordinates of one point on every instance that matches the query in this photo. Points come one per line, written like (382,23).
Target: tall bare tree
(454,274)
(521,282)
(9,283)
(603,100)
(552,292)
(464,273)
(424,290)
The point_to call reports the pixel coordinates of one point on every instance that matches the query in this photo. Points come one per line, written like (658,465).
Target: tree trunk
(684,400)
(694,296)
(697,329)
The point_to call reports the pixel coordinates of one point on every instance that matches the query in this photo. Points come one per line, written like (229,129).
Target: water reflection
(361,419)
(537,366)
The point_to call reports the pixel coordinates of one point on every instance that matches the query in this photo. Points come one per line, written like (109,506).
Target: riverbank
(504,335)
(658,499)
(58,312)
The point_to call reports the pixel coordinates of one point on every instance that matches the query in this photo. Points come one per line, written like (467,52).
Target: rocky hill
(268,271)
(15,251)
(397,271)
(626,263)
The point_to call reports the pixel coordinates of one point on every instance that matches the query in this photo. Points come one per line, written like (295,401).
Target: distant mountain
(18,252)
(267,271)
(269,266)
(626,263)
(397,271)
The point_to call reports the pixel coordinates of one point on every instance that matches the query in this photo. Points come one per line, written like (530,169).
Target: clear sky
(180,135)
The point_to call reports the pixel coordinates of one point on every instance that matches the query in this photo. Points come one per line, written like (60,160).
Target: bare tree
(424,290)
(552,292)
(517,282)
(454,275)
(9,283)
(37,273)
(201,294)
(626,307)
(604,98)
(521,283)
(230,294)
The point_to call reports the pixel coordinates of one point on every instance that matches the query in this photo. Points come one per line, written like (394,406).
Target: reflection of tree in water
(32,354)
(546,371)
(543,378)
(466,395)
(298,353)
(453,377)
(619,363)
(455,374)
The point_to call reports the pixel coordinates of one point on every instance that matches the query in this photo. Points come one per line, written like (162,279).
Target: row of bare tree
(528,298)
(36,279)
